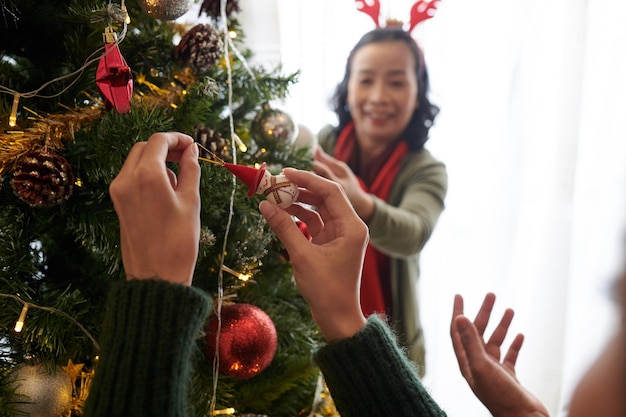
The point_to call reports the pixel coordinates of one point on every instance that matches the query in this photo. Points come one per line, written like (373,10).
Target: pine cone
(214,142)
(212,8)
(42,178)
(200,48)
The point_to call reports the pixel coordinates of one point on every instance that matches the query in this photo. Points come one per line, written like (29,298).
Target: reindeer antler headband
(420,11)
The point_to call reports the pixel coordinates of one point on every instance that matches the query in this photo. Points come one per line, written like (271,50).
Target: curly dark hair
(416,133)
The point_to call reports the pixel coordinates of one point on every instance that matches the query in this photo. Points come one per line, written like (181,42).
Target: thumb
(470,339)
(282,225)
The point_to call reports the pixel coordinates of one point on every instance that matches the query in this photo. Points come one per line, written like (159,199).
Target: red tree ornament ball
(247,340)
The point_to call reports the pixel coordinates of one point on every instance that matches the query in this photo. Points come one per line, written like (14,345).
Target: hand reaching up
(493,381)
(159,213)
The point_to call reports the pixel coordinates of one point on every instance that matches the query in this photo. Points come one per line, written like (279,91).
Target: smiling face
(382,91)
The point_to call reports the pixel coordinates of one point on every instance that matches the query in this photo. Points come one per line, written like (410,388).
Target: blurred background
(533,131)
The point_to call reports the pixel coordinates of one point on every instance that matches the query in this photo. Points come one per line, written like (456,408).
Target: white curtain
(533,131)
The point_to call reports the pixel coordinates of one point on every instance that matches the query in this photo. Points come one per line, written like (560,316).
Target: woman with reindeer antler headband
(376,152)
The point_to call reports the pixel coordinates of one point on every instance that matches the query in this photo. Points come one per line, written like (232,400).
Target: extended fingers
(482,317)
(468,346)
(503,327)
(510,359)
(457,308)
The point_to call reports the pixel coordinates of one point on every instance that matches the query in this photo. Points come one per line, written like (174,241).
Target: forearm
(398,231)
(369,375)
(150,327)
(401,225)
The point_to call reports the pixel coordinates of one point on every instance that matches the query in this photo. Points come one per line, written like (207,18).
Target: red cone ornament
(113,77)
(249,175)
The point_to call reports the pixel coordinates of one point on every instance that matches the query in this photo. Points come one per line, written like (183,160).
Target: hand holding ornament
(327,269)
(159,213)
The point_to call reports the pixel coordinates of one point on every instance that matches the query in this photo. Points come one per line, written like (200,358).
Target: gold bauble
(273,126)
(42,394)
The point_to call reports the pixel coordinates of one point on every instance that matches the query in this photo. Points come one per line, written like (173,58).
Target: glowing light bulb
(13,116)
(20,321)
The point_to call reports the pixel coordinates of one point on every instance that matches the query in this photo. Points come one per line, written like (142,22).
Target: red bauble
(247,341)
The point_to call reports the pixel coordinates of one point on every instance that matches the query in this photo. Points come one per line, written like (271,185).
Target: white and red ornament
(247,340)
(276,188)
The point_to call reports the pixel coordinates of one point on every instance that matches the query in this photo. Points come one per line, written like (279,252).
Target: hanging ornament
(276,188)
(113,76)
(42,178)
(247,340)
(165,9)
(200,48)
(213,8)
(272,126)
(44,394)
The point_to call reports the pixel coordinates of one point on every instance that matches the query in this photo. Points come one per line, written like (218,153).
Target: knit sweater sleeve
(146,342)
(369,375)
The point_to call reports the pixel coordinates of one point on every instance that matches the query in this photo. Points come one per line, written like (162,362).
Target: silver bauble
(272,126)
(44,394)
(165,9)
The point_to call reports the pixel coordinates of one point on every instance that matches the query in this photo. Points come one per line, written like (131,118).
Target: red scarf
(375,280)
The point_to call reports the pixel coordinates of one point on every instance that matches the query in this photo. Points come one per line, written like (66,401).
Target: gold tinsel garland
(57,130)
(51,130)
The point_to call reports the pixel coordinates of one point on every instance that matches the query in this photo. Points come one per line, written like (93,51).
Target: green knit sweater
(148,334)
(369,375)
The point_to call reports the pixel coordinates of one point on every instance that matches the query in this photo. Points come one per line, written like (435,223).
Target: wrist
(339,327)
(182,279)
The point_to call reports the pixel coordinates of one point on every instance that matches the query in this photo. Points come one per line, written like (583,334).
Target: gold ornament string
(215,160)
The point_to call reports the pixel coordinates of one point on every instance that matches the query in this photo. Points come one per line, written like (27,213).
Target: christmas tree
(81,82)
